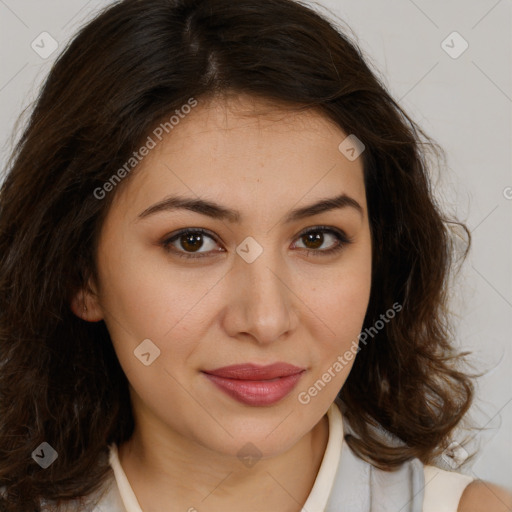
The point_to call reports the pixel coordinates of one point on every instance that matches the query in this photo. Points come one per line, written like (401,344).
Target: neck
(164,467)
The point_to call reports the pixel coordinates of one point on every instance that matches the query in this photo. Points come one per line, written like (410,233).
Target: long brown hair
(125,71)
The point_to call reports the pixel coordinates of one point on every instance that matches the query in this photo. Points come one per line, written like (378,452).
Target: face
(186,291)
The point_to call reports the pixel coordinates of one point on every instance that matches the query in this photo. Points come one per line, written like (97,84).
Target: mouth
(256,385)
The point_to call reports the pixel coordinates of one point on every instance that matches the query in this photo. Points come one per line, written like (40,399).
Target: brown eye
(314,239)
(189,241)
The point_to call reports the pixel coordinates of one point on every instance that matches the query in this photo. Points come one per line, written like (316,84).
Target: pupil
(192,242)
(315,239)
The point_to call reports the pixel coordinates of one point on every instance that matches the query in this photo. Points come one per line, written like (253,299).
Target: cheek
(149,313)
(147,294)
(342,308)
(343,311)
(347,311)
(340,304)
(145,298)
(343,297)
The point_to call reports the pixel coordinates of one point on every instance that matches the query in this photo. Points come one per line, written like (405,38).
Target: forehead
(246,151)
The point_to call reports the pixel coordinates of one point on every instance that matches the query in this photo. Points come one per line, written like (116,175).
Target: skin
(480,496)
(205,313)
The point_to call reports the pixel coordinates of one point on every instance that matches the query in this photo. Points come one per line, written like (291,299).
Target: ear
(85,304)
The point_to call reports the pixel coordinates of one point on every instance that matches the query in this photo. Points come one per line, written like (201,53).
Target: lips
(256,385)
(255,372)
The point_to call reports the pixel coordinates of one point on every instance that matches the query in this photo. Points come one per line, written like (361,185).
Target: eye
(189,242)
(314,238)
(190,239)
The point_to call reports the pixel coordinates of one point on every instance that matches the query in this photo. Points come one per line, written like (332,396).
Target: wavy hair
(125,70)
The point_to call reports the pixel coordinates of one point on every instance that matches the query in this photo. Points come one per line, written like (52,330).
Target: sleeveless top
(344,483)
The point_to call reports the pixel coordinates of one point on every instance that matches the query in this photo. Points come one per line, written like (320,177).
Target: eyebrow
(217,211)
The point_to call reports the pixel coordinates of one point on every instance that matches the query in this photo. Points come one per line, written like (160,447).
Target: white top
(443,489)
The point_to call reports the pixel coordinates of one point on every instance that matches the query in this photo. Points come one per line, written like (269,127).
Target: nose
(261,304)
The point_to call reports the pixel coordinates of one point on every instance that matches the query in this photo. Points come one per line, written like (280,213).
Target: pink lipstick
(256,385)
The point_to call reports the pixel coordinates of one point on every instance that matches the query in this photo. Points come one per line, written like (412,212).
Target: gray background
(464,103)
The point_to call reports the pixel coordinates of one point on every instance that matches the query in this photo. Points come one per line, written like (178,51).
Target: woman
(223,277)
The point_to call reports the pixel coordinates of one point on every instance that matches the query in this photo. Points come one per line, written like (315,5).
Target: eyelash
(341,241)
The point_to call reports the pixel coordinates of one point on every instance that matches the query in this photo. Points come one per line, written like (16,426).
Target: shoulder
(480,496)
(452,491)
